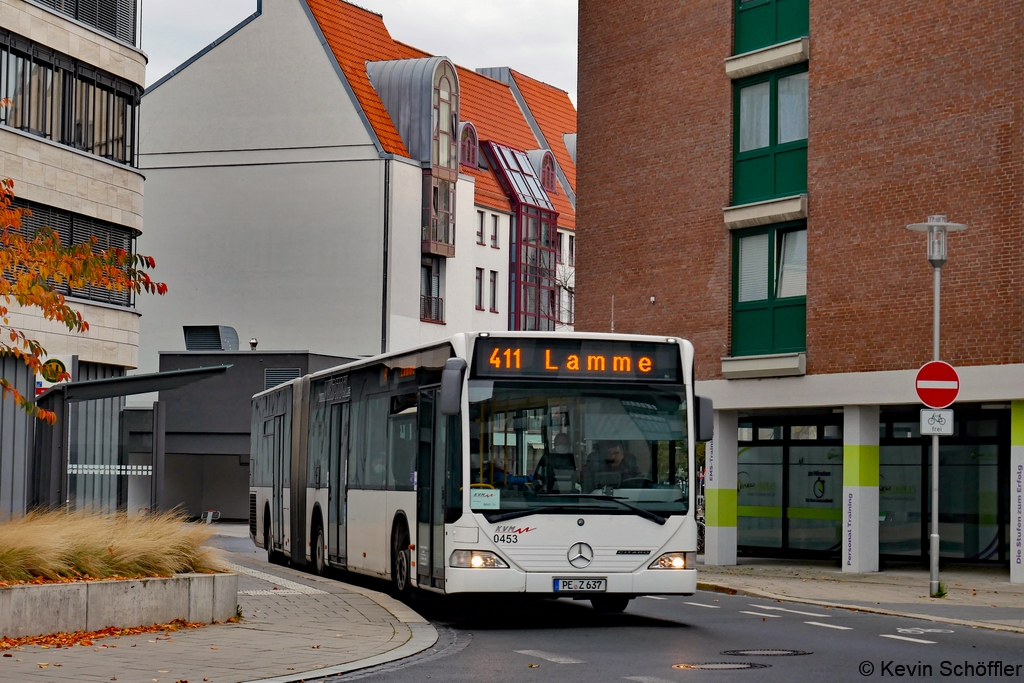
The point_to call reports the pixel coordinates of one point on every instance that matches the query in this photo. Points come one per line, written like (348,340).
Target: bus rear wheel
(319,562)
(610,604)
(401,561)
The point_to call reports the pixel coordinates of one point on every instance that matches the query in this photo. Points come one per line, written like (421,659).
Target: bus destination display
(576,358)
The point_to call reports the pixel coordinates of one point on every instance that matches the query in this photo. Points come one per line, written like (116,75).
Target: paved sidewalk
(977,596)
(295,626)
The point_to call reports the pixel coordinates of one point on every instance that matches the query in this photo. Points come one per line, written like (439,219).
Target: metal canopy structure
(50,457)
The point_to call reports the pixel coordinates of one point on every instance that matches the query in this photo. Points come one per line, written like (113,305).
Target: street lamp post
(937,229)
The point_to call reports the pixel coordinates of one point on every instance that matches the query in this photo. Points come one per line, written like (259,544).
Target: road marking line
(792,611)
(840,628)
(645,679)
(653,597)
(557,659)
(758,614)
(701,604)
(910,640)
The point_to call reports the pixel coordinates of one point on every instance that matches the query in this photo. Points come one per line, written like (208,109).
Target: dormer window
(468,145)
(547,173)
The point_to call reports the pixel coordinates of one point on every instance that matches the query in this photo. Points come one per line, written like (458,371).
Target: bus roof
(466,338)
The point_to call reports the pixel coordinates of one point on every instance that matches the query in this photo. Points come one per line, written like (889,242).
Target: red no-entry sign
(937,384)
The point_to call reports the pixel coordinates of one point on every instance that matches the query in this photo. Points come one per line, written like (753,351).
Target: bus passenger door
(424,487)
(281,475)
(337,538)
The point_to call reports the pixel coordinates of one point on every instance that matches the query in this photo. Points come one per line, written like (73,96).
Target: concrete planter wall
(93,605)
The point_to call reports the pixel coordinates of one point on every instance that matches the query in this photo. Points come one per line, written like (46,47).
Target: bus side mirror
(451,386)
(705,419)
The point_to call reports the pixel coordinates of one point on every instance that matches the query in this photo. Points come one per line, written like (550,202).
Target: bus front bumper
(643,582)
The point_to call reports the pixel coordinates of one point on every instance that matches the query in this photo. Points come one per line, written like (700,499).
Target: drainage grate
(721,666)
(766,653)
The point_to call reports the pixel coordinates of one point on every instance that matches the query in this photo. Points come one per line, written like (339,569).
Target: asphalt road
(554,641)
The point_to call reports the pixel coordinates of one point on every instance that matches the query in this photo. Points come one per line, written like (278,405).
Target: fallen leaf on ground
(43,665)
(533,666)
(213,648)
(86,638)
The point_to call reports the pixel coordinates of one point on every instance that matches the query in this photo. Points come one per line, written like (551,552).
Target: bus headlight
(675,561)
(476,559)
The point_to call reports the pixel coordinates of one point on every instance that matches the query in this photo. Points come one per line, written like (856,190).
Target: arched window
(547,173)
(446,117)
(468,145)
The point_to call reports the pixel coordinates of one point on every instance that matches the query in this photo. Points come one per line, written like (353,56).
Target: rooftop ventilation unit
(210,338)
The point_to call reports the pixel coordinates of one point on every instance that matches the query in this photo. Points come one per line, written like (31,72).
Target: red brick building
(747,170)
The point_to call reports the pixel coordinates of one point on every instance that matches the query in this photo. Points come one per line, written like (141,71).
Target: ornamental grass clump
(60,546)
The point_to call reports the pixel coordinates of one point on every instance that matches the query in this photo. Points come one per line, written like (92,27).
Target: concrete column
(860,489)
(720,492)
(1017,492)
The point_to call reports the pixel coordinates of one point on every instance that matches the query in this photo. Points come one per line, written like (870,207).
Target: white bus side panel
(367,538)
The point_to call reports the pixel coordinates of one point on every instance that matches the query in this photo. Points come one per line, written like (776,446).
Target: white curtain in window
(793,264)
(793,108)
(754,124)
(753,275)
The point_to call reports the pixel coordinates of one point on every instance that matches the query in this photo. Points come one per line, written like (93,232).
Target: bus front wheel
(319,562)
(610,604)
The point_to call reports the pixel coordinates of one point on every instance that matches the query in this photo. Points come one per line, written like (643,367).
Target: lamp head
(937,229)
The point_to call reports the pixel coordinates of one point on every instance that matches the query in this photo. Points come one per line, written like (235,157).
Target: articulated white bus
(541,463)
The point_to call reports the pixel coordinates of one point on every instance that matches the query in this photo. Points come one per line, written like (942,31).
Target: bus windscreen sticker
(485,499)
(576,359)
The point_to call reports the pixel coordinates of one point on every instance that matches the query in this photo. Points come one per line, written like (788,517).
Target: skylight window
(520,177)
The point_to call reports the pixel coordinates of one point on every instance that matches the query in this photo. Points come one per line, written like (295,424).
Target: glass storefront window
(899,500)
(815,497)
(759,496)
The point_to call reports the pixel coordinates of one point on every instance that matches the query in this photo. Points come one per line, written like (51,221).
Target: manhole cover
(767,652)
(721,666)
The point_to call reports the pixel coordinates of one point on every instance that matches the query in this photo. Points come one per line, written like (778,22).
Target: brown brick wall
(653,171)
(912,111)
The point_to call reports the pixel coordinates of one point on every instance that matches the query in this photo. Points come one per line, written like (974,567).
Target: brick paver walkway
(306,624)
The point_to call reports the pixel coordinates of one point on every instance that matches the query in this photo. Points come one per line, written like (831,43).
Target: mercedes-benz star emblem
(580,555)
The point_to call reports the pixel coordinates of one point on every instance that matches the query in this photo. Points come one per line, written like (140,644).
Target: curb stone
(422,636)
(728,590)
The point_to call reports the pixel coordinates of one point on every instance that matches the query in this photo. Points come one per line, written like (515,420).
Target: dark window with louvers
(75,229)
(113,17)
(273,377)
(202,338)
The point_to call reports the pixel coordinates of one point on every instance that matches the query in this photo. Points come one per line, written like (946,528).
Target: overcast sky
(537,37)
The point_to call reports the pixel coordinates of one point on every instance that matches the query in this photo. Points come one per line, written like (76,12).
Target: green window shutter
(769,290)
(770,141)
(760,23)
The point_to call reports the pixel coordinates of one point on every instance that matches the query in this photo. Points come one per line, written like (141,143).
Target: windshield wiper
(646,514)
(516,514)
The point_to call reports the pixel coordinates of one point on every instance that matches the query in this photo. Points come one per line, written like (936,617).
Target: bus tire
(401,561)
(318,563)
(610,604)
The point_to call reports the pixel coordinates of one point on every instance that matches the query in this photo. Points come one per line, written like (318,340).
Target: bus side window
(453,469)
(357,451)
(376,442)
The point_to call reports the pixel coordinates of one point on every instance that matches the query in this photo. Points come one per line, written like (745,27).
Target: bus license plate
(580,585)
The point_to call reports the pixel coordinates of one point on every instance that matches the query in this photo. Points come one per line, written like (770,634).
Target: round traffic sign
(937,384)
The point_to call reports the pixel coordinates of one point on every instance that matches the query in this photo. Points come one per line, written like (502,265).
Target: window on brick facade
(760,23)
(769,290)
(770,144)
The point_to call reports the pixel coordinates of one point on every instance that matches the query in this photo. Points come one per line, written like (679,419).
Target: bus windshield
(567,448)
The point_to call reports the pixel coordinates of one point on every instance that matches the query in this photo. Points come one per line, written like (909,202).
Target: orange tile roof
(555,115)
(357,36)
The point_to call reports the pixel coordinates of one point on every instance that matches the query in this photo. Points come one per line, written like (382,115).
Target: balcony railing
(432,309)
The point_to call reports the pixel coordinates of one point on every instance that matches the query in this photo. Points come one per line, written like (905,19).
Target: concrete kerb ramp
(43,609)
